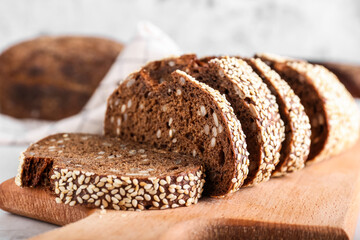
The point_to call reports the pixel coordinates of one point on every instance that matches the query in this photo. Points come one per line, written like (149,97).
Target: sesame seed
(164,207)
(147,197)
(81,179)
(104,203)
(130,82)
(178,92)
(182,80)
(162,195)
(158,133)
(147,186)
(194,153)
(214,131)
(164,108)
(129,103)
(202,110)
(179,179)
(132,152)
(213,142)
(168,179)
(123,108)
(221,128)
(216,121)
(207,129)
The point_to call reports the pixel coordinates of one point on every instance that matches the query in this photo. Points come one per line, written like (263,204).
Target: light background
(317,29)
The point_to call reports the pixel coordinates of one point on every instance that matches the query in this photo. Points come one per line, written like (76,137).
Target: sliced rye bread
(333,113)
(182,115)
(253,104)
(296,146)
(95,171)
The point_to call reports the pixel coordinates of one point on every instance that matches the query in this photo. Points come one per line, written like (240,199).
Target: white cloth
(149,43)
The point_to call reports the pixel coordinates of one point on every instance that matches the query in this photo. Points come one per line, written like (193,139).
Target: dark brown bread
(96,171)
(53,77)
(182,115)
(253,104)
(296,146)
(332,111)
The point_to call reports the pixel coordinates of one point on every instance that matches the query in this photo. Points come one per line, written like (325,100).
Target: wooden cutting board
(319,202)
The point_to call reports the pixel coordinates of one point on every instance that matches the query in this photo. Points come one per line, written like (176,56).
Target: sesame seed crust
(297,122)
(264,110)
(126,193)
(341,115)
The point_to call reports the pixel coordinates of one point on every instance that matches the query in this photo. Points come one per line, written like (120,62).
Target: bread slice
(180,114)
(96,171)
(257,110)
(296,146)
(252,101)
(333,113)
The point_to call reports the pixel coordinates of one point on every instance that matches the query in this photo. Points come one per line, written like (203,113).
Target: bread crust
(53,77)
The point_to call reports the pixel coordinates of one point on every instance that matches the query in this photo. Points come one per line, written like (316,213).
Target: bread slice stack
(239,120)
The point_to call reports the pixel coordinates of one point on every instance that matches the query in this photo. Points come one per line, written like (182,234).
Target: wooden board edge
(197,228)
(25,202)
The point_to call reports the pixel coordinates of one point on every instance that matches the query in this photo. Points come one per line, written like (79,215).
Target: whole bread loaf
(53,77)
(95,171)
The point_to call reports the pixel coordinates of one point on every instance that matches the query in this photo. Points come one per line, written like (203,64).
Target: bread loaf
(53,77)
(333,113)
(95,171)
(183,115)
